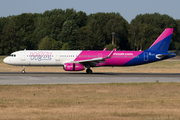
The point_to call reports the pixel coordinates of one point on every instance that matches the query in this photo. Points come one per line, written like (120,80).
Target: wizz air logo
(40,56)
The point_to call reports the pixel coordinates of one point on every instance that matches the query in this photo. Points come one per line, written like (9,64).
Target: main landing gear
(23,71)
(89,71)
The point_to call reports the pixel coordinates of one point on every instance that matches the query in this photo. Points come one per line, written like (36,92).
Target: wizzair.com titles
(123,54)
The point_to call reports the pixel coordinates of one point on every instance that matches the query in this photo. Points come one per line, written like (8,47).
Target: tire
(89,71)
(22,71)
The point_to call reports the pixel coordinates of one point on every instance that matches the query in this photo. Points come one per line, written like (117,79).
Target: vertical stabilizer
(163,41)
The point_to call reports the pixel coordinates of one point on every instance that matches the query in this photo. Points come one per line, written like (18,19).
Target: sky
(129,9)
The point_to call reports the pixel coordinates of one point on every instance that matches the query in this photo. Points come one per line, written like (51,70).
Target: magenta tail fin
(163,41)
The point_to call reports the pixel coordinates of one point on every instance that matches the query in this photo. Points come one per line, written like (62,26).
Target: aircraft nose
(6,60)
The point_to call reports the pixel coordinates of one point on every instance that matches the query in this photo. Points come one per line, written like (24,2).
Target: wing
(95,61)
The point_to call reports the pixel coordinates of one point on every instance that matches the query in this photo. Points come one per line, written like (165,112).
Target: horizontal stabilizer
(160,56)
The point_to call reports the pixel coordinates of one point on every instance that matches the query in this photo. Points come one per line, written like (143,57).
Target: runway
(15,78)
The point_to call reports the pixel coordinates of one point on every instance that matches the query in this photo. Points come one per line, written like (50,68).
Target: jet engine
(73,67)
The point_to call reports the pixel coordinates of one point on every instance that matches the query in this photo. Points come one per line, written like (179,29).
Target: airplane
(78,60)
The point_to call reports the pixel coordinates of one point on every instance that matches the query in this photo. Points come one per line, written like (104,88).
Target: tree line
(70,30)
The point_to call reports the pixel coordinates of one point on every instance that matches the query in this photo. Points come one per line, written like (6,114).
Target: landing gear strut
(89,71)
(23,71)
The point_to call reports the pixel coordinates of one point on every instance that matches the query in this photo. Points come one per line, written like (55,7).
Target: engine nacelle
(73,67)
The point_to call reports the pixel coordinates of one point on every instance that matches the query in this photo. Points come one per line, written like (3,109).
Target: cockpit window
(12,55)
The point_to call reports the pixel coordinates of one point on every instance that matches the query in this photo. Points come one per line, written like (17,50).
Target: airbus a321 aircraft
(77,60)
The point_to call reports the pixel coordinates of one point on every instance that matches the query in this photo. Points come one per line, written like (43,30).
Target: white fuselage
(41,57)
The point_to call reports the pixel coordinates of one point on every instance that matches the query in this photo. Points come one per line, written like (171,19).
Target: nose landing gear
(23,71)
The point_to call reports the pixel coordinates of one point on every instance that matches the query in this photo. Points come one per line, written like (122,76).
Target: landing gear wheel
(89,71)
(23,71)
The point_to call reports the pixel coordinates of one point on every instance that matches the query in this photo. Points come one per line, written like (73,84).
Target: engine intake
(73,67)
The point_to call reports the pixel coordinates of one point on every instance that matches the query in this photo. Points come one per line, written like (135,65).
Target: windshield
(12,55)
